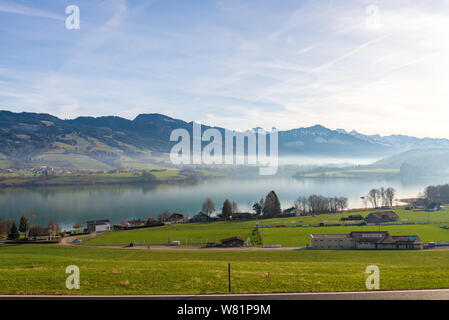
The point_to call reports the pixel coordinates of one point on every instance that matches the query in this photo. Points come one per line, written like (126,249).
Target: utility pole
(169,233)
(229,277)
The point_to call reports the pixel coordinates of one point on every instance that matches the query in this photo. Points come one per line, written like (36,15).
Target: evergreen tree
(13,233)
(272,206)
(23,226)
(226,211)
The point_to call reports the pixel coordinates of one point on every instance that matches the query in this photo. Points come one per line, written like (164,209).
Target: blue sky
(374,66)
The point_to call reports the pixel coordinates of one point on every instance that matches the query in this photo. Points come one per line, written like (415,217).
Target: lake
(69,204)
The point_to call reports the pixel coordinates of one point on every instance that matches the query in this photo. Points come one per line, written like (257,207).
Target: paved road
(437,294)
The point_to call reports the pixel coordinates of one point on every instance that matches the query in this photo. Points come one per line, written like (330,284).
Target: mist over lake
(69,204)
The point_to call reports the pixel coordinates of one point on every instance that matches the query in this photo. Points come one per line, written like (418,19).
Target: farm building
(331,241)
(176,217)
(384,216)
(371,240)
(290,212)
(98,226)
(353,217)
(233,242)
(434,206)
(201,217)
(135,223)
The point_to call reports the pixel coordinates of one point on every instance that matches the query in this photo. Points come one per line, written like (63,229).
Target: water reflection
(76,204)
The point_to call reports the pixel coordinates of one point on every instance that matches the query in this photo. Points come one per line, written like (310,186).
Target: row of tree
(382,197)
(10,228)
(209,207)
(438,193)
(270,207)
(317,204)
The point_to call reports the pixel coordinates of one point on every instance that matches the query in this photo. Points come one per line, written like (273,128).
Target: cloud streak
(15,8)
(225,64)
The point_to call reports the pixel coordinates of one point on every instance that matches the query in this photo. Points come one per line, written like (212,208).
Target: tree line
(317,204)
(10,228)
(439,193)
(270,206)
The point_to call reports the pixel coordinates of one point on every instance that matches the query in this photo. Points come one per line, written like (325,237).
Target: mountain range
(26,135)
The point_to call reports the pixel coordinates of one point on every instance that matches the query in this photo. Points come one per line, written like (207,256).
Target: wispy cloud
(234,65)
(349,54)
(16,8)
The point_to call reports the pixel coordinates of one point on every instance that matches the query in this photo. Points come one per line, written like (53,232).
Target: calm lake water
(69,205)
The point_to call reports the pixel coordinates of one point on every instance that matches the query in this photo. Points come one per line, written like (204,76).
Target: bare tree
(53,228)
(234,207)
(37,231)
(301,204)
(163,217)
(342,203)
(382,196)
(208,206)
(373,197)
(3,227)
(390,193)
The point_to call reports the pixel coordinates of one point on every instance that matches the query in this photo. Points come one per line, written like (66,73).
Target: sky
(373,66)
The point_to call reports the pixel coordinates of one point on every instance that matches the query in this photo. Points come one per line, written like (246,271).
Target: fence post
(229,277)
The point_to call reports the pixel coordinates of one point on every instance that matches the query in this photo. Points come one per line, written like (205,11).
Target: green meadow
(196,234)
(34,269)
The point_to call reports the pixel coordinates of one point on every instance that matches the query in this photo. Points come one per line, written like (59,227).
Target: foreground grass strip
(34,269)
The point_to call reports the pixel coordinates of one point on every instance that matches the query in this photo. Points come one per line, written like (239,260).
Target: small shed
(232,242)
(384,216)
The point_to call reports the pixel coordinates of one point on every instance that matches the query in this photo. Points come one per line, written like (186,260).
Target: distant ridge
(24,134)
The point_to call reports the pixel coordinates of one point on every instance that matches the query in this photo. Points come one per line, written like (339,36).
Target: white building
(98,226)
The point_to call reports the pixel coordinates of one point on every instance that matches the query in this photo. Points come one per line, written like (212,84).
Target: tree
(301,205)
(342,203)
(37,231)
(390,194)
(382,196)
(53,228)
(257,207)
(23,225)
(3,227)
(208,206)
(13,232)
(272,206)
(163,217)
(373,197)
(77,226)
(235,208)
(226,211)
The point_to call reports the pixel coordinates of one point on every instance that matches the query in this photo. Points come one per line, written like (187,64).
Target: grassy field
(200,233)
(27,178)
(353,173)
(76,161)
(37,269)
(194,234)
(300,237)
